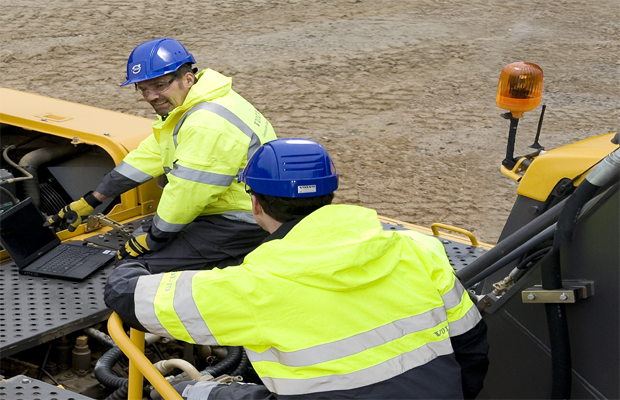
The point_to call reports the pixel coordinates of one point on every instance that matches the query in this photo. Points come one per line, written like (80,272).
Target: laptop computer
(37,251)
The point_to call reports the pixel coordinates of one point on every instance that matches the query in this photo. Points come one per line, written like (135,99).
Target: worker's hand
(134,247)
(75,212)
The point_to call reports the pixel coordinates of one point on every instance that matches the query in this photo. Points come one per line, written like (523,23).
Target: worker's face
(167,92)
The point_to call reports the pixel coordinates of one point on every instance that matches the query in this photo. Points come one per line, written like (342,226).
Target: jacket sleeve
(467,328)
(120,290)
(471,350)
(138,167)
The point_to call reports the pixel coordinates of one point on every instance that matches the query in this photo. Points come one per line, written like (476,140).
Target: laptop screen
(23,235)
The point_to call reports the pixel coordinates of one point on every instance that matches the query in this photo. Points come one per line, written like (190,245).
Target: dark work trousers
(205,243)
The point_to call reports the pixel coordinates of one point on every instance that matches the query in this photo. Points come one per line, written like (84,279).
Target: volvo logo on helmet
(136,69)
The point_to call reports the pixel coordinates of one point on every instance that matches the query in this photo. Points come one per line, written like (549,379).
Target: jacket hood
(337,247)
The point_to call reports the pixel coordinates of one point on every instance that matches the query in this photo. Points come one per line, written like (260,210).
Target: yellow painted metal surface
(466,239)
(568,161)
(139,365)
(115,132)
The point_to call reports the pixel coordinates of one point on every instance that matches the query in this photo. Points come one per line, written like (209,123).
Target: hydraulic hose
(510,243)
(521,250)
(244,363)
(100,336)
(105,364)
(230,362)
(119,394)
(557,322)
(103,369)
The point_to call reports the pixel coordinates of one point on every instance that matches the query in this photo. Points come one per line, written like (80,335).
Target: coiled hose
(230,362)
(244,363)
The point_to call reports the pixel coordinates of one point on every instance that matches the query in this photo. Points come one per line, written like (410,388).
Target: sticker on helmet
(306,189)
(136,69)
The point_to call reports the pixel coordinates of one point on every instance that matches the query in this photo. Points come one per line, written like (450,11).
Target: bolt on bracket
(571,291)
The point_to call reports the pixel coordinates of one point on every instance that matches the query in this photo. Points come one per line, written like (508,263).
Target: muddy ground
(401,93)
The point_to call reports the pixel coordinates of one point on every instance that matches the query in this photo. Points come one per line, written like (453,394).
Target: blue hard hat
(156,58)
(291,168)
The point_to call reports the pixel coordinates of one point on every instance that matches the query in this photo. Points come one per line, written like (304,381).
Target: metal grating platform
(21,387)
(459,254)
(35,310)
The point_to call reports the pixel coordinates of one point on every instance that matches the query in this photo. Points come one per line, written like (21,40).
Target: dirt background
(401,93)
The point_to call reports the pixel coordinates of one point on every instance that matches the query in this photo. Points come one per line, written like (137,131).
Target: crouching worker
(329,306)
(204,135)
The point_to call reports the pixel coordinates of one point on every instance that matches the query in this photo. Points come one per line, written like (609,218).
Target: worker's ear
(188,80)
(256,207)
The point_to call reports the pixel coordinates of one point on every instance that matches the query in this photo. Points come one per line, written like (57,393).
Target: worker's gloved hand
(135,247)
(75,212)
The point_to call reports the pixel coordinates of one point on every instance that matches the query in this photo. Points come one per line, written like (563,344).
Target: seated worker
(329,306)
(204,135)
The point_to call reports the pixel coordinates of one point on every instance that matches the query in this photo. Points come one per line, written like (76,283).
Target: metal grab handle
(472,238)
(139,365)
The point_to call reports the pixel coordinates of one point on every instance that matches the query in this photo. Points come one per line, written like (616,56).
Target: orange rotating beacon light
(519,90)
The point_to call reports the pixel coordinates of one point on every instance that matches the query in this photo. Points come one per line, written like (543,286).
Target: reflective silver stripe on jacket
(227,115)
(466,322)
(144,299)
(188,312)
(132,172)
(354,344)
(243,216)
(454,296)
(205,177)
(167,226)
(367,376)
(183,304)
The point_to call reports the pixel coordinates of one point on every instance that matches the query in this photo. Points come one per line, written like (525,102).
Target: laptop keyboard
(65,257)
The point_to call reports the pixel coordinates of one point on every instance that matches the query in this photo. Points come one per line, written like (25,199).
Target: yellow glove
(134,247)
(75,212)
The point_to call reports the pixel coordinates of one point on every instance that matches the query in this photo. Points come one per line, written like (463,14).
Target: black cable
(14,199)
(42,367)
(158,351)
(533,256)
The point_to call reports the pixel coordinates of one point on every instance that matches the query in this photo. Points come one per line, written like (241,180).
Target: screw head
(563,297)
(531,296)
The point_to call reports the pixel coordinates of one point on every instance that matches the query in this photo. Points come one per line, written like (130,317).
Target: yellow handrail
(472,238)
(139,365)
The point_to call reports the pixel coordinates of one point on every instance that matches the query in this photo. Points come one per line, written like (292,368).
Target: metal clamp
(99,220)
(570,292)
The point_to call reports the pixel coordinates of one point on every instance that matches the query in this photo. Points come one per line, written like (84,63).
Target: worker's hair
(184,69)
(285,209)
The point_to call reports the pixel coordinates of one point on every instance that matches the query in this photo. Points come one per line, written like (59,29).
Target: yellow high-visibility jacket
(201,146)
(337,304)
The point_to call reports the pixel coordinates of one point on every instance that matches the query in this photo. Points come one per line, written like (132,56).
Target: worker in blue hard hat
(329,306)
(204,135)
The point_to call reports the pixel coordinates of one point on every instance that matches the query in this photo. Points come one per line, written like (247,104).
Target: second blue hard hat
(291,168)
(156,58)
